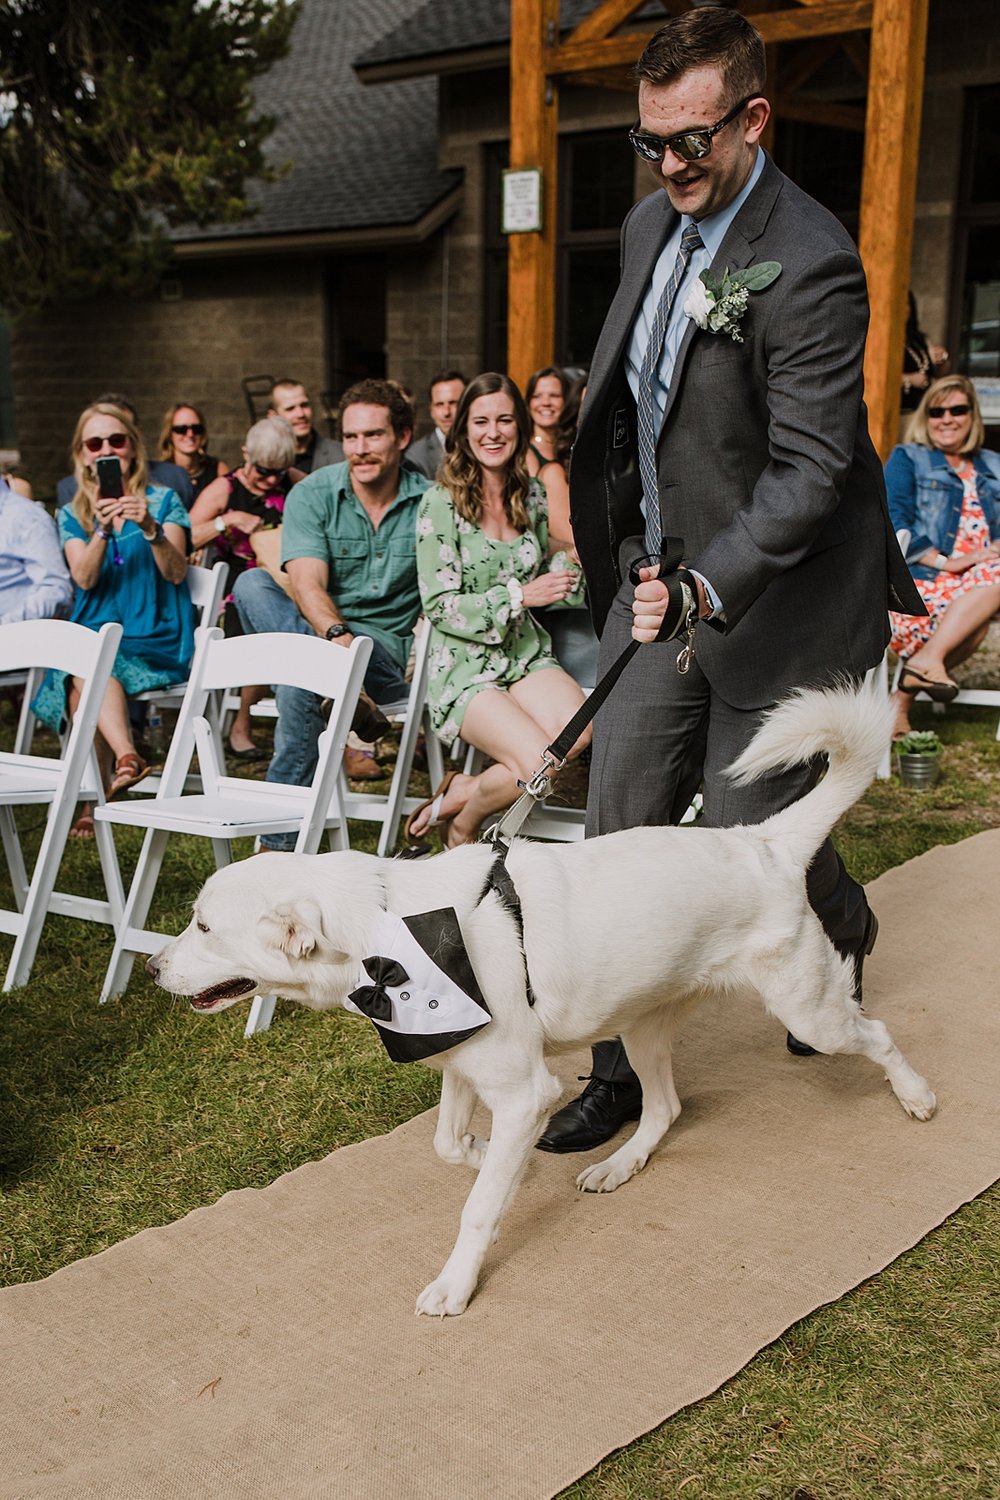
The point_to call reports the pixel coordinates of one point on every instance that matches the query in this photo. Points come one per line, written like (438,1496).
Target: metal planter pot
(919,771)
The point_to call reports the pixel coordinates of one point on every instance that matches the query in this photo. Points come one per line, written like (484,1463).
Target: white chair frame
(232,807)
(56,782)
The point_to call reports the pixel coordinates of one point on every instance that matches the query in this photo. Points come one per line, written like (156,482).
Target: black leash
(681,615)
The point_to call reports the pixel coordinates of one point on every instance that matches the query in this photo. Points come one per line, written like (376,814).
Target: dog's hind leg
(648,1044)
(518,1116)
(453,1140)
(819,1008)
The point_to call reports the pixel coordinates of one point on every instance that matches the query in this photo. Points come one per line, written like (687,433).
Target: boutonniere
(719,305)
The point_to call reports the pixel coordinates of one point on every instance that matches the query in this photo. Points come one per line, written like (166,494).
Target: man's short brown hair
(379,393)
(709,37)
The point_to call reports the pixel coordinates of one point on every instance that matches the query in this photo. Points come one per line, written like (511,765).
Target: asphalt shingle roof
(361,156)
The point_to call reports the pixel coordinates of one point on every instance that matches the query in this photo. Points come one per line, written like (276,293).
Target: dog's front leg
(516,1124)
(453,1140)
(648,1045)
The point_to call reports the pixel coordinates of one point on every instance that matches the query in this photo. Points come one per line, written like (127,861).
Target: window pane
(592,280)
(984,179)
(980,335)
(602,177)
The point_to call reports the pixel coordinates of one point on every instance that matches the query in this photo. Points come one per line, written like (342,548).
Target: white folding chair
(387,808)
(231,807)
(56,782)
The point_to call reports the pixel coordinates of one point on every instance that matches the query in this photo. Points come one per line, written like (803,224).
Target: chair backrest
(36,645)
(207,587)
(278,658)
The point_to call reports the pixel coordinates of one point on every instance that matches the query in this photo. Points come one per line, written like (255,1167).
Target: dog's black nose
(153,968)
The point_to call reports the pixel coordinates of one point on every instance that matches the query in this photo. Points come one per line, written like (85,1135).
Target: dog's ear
(296,926)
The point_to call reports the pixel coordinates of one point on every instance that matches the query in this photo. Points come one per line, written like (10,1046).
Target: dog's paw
(605,1176)
(918,1101)
(442,1300)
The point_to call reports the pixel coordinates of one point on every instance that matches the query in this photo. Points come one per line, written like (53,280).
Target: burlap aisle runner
(266,1346)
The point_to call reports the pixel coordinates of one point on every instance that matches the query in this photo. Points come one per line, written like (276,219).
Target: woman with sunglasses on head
(184,442)
(128,559)
(229,513)
(944,489)
(482,541)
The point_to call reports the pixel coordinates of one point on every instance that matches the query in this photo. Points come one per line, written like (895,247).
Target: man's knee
(263,605)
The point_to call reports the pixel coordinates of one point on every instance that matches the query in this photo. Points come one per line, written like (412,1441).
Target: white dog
(621,936)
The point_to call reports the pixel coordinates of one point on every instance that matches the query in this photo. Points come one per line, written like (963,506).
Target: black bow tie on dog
(373,999)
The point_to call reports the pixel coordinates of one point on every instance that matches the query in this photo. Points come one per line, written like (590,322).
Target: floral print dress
(910,632)
(479,637)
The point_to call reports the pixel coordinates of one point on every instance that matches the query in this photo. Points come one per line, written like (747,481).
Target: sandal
(434,802)
(83,828)
(129,769)
(937,689)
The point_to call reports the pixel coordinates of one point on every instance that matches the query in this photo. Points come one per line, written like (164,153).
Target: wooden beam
(602,21)
(856,48)
(807,61)
(534,118)
(888,199)
(774,26)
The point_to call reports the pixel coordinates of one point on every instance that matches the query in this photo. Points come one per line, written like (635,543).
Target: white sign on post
(522,201)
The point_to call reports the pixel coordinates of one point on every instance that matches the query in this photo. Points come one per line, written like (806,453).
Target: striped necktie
(646,426)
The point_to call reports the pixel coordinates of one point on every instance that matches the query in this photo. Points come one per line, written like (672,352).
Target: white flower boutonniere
(719,305)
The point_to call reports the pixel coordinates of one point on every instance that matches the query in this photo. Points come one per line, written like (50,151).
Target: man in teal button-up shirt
(348,543)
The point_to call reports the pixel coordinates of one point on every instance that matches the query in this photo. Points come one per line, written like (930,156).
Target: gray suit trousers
(651,740)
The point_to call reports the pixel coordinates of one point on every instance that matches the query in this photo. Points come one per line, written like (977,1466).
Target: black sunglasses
(196,429)
(270,473)
(115,440)
(944,411)
(690,145)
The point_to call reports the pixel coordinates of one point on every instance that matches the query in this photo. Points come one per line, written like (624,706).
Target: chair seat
(210,817)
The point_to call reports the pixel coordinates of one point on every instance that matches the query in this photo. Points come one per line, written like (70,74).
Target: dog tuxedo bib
(419,989)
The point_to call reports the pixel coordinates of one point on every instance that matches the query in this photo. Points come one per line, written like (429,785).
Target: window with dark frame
(976,284)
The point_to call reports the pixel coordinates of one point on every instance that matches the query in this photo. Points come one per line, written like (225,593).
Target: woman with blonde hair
(184,442)
(482,541)
(127,555)
(944,489)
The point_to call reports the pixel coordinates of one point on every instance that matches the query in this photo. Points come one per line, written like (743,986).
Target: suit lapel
(637,273)
(735,253)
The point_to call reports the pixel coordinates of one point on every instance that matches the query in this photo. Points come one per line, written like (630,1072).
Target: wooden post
(888,199)
(534,120)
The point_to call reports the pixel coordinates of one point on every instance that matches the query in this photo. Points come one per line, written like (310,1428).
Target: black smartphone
(109,478)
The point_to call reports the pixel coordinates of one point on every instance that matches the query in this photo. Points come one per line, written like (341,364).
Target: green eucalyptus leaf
(756,278)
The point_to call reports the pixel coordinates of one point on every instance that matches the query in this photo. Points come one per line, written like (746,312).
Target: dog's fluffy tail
(851,726)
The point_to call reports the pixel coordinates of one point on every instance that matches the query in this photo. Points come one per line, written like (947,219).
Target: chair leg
(36,904)
(15,858)
(399,784)
(137,904)
(108,855)
(261,1014)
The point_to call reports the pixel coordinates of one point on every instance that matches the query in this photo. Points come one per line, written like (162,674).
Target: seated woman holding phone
(126,544)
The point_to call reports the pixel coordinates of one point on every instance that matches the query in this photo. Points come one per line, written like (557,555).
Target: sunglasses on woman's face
(115,440)
(937,412)
(270,473)
(181,429)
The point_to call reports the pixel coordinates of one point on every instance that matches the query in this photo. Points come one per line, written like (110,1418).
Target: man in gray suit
(752,450)
(443,396)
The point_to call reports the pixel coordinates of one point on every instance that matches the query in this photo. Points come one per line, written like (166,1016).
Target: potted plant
(918,758)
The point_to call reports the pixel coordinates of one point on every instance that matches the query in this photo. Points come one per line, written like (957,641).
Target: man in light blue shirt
(34,580)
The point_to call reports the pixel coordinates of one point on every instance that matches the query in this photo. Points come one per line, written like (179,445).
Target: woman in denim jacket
(944,489)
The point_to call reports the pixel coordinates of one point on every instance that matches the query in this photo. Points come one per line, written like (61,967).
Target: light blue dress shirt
(713,231)
(34,580)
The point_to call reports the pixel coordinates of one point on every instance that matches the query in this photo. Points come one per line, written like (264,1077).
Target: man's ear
(295,927)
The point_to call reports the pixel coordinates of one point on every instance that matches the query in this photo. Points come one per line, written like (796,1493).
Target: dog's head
(257,929)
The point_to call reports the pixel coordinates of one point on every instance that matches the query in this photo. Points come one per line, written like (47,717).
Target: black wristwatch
(334,631)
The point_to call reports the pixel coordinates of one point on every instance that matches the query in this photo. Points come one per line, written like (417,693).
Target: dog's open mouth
(229,989)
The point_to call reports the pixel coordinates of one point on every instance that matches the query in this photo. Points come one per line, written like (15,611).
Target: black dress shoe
(800,1049)
(598,1114)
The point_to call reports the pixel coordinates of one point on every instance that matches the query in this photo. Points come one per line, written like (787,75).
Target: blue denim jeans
(262,606)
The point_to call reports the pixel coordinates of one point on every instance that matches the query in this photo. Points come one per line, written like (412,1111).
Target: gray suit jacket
(765,467)
(426,454)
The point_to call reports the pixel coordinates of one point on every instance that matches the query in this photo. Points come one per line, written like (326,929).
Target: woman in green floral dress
(482,543)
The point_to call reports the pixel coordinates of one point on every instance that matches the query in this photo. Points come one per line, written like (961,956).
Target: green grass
(120,1117)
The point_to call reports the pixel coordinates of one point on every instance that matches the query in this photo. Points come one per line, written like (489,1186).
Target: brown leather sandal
(129,769)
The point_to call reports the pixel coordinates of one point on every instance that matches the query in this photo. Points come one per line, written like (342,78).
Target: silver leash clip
(686,653)
(538,786)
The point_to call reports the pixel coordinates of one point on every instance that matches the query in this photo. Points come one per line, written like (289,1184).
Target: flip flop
(937,690)
(129,769)
(435,802)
